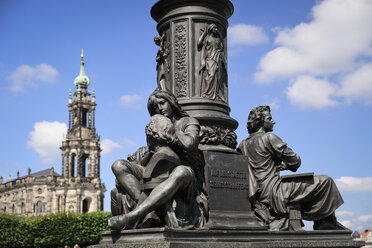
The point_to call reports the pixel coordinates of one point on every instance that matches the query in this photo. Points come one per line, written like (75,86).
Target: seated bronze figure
(271,196)
(165,174)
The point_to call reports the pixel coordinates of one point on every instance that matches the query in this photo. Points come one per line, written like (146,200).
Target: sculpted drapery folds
(268,155)
(213,66)
(169,169)
(161,60)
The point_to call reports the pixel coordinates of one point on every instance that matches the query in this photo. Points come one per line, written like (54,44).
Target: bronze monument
(316,197)
(190,187)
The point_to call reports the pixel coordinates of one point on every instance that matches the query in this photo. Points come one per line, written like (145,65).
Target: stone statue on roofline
(167,173)
(315,197)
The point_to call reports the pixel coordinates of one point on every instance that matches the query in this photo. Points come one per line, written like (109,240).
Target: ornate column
(89,119)
(78,205)
(63,165)
(67,168)
(92,171)
(192,64)
(64,202)
(78,163)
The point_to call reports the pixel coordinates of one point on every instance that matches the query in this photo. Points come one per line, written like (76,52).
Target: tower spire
(82,80)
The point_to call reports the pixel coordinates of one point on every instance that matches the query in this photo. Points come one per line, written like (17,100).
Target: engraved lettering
(228,174)
(228,185)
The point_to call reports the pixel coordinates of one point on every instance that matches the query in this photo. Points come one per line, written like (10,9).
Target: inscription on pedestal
(227,181)
(219,179)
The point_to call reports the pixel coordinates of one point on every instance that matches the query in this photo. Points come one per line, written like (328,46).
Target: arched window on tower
(13,209)
(73,165)
(39,207)
(22,208)
(84,118)
(86,205)
(85,164)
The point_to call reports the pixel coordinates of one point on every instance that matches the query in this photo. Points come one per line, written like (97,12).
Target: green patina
(82,80)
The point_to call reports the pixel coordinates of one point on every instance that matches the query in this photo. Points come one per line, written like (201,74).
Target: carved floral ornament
(215,135)
(180,74)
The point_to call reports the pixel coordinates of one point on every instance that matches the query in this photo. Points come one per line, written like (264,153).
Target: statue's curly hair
(169,97)
(160,131)
(256,118)
(157,38)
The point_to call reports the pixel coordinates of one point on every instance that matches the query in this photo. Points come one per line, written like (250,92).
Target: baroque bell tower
(81,150)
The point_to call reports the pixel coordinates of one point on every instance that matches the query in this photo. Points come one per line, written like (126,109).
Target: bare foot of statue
(124,221)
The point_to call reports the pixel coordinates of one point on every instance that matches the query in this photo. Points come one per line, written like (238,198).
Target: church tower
(79,189)
(81,147)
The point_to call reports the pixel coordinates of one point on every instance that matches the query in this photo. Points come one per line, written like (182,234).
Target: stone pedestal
(164,238)
(227,184)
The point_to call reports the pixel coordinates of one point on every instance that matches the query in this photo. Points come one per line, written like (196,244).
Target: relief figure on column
(162,66)
(213,66)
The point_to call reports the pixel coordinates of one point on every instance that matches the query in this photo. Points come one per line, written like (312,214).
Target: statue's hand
(282,166)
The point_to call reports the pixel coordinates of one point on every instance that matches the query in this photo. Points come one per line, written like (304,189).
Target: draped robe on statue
(265,152)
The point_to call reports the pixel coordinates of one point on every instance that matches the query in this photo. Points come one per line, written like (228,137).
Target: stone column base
(176,238)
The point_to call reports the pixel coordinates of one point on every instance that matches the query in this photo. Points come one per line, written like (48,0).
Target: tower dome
(82,80)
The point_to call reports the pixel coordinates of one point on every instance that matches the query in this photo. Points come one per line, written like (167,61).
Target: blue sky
(311,61)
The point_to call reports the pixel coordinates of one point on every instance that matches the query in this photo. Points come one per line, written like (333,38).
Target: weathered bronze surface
(315,197)
(165,186)
(193,36)
(189,180)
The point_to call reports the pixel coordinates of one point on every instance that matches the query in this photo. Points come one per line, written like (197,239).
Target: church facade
(79,188)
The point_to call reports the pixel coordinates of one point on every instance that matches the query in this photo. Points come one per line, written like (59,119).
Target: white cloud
(365,218)
(349,220)
(354,184)
(46,138)
(309,92)
(279,62)
(274,104)
(19,166)
(242,34)
(108,146)
(344,214)
(128,143)
(358,84)
(336,44)
(130,101)
(26,76)
(331,43)
(347,223)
